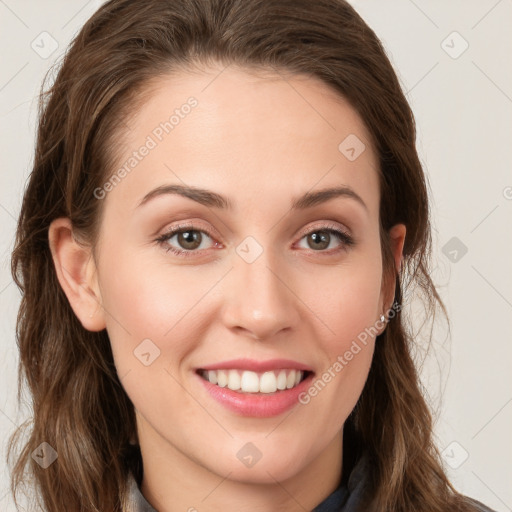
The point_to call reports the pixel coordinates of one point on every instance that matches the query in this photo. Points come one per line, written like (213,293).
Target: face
(268,279)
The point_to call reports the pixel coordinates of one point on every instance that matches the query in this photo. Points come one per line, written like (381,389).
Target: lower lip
(259,405)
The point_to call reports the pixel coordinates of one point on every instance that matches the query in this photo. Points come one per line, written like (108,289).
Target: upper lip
(257,366)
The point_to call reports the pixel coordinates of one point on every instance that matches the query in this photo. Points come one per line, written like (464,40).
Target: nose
(259,299)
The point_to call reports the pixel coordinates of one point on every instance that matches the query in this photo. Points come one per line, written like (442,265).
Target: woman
(225,211)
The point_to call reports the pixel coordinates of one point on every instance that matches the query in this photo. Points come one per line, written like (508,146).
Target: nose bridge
(259,301)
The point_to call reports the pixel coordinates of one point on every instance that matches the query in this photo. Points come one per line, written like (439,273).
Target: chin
(256,463)
(268,472)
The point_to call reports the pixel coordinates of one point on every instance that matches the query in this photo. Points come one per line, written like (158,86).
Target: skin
(260,140)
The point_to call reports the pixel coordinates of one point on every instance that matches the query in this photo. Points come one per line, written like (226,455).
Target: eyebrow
(213,199)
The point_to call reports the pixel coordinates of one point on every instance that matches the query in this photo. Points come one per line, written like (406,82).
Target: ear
(396,239)
(76,272)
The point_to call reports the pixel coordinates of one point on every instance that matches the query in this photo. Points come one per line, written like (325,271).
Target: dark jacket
(346,498)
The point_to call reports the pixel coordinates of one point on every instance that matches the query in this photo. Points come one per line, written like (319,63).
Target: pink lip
(257,366)
(259,405)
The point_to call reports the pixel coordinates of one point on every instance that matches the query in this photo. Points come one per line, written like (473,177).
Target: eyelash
(346,240)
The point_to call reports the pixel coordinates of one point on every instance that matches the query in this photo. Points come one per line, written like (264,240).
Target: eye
(188,238)
(320,238)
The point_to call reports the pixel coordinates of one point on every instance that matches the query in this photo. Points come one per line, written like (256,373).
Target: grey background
(463,106)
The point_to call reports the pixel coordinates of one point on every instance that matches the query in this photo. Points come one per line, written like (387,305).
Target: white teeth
(268,382)
(249,382)
(234,380)
(222,378)
(281,380)
(252,382)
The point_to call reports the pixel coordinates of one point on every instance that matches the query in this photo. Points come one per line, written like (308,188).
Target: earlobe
(76,272)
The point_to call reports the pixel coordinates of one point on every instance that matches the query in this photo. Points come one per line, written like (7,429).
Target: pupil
(320,238)
(190,238)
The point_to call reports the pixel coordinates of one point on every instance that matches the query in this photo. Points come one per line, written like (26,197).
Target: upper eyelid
(326,225)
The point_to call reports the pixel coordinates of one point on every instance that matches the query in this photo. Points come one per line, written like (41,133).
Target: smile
(255,388)
(245,381)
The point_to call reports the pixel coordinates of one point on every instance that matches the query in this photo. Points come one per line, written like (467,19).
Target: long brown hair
(79,405)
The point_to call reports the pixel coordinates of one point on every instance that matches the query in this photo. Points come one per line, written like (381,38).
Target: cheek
(151,314)
(347,304)
(345,299)
(146,300)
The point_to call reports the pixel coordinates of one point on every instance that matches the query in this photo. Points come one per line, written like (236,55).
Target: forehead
(247,132)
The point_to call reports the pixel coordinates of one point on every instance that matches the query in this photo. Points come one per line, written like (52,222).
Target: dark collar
(350,493)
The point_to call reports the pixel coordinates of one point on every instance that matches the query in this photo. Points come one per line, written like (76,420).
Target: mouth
(251,382)
(256,388)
